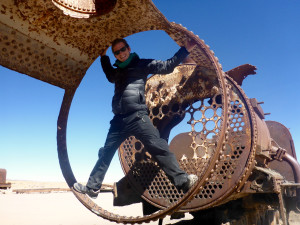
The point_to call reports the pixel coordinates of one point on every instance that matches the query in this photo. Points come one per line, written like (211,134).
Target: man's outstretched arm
(165,67)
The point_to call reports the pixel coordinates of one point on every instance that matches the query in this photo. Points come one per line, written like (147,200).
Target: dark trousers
(136,124)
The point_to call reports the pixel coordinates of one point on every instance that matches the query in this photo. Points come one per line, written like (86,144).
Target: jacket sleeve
(165,67)
(109,71)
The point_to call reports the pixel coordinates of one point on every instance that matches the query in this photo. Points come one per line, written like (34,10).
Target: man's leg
(114,139)
(144,130)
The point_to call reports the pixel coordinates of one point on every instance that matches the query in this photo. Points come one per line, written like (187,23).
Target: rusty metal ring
(176,30)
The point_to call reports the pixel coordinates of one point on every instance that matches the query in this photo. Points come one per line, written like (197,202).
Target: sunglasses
(120,50)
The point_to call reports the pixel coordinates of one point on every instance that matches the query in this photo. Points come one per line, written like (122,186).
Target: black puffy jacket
(130,81)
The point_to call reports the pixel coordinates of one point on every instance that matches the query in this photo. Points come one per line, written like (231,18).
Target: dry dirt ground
(60,208)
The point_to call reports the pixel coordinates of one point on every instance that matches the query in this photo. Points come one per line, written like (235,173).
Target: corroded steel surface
(239,73)
(190,91)
(283,138)
(37,39)
(85,9)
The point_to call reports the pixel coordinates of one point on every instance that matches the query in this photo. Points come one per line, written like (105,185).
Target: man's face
(121,52)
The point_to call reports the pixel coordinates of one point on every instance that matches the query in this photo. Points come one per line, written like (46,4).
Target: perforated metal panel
(195,148)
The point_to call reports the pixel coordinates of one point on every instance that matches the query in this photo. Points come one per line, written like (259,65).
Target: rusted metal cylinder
(2,176)
(263,134)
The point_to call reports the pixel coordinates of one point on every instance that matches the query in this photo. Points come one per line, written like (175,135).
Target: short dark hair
(118,40)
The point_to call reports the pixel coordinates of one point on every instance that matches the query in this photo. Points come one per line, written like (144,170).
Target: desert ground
(60,207)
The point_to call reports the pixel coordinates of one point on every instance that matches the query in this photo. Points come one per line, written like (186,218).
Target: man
(131,116)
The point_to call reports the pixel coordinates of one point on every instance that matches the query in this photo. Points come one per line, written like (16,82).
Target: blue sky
(262,33)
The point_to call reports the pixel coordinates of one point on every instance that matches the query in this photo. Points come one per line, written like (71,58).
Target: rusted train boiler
(255,179)
(247,167)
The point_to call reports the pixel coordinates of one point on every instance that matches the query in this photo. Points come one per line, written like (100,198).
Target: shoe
(85,190)
(191,180)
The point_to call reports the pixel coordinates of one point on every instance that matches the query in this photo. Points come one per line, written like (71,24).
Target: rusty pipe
(296,169)
(294,164)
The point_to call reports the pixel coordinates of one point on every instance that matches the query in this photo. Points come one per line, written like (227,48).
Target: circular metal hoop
(202,56)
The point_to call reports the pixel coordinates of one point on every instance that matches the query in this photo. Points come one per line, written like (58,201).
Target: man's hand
(104,52)
(190,44)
